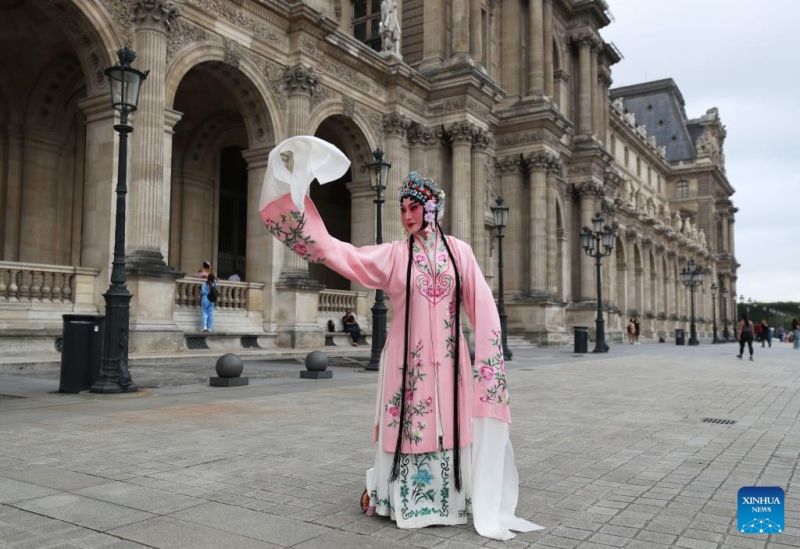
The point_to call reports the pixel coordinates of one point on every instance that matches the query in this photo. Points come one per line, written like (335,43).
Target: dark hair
(211,279)
(745,318)
(456,362)
(206,264)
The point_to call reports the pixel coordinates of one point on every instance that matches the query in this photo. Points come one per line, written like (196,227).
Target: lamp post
(114,376)
(714,312)
(692,277)
(500,214)
(724,299)
(378,176)
(598,242)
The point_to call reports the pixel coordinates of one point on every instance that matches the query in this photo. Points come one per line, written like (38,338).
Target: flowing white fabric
(495,482)
(295,162)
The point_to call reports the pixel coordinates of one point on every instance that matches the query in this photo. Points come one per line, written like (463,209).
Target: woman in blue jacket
(207,302)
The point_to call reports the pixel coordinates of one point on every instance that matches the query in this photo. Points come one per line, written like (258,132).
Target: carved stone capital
(543,161)
(299,80)
(460,132)
(604,76)
(588,189)
(509,164)
(481,139)
(415,133)
(586,38)
(158,14)
(395,124)
(631,235)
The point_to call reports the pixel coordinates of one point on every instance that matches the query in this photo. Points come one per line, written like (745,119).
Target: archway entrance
(232,226)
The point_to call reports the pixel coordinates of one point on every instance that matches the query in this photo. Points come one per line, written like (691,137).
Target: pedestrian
(442,446)
(631,329)
(766,334)
(744,333)
(795,334)
(204,271)
(637,329)
(208,300)
(351,326)
(234,277)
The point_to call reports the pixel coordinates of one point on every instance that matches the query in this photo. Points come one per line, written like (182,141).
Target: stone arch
(254,94)
(90,29)
(334,108)
(347,204)
(638,279)
(620,258)
(55,87)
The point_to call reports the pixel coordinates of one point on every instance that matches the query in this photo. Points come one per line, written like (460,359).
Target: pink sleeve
(305,234)
(489,372)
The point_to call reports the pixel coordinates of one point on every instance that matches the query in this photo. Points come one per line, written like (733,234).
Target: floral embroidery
(435,284)
(413,426)
(289,230)
(449,322)
(491,374)
(417,489)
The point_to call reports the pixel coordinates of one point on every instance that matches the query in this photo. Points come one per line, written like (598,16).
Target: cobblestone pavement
(611,451)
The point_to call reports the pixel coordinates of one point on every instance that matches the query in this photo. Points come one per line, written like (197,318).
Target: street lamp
(598,242)
(500,214)
(114,376)
(714,311)
(692,277)
(378,177)
(724,300)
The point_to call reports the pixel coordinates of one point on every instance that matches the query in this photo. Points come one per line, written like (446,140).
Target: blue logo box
(760,509)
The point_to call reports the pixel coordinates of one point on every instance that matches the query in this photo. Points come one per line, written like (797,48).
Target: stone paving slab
(168,533)
(90,513)
(611,450)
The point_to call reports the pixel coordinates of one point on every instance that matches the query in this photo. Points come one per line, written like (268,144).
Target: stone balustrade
(33,283)
(337,301)
(233,296)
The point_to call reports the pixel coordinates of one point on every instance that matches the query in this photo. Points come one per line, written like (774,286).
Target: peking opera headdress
(425,191)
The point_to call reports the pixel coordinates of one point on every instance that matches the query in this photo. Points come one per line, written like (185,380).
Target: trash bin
(680,336)
(581,339)
(80,355)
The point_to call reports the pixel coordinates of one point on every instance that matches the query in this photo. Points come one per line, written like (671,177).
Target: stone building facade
(489,97)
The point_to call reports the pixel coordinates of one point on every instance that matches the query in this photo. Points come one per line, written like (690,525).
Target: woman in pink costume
(442,447)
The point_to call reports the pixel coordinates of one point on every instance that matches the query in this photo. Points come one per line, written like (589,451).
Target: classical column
(594,92)
(548,48)
(536,48)
(480,145)
(725,232)
(459,40)
(587,192)
(416,148)
(299,83)
(476,32)
(510,70)
(395,126)
(537,164)
(149,191)
(553,240)
(433,41)
(585,88)
(731,241)
(460,135)
(171,119)
(13,205)
(510,173)
(604,82)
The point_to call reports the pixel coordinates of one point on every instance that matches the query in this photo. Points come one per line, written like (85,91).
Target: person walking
(795,334)
(744,333)
(440,427)
(637,330)
(208,299)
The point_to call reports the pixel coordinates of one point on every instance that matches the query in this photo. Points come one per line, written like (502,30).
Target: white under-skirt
(425,493)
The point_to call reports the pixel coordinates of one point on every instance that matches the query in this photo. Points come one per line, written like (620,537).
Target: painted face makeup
(411,214)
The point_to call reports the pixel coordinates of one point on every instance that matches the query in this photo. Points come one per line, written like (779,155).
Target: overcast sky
(739,56)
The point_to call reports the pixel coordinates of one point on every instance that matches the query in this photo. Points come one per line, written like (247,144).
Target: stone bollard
(229,370)
(316,366)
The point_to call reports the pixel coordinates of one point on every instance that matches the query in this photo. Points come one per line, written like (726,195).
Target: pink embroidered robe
(429,405)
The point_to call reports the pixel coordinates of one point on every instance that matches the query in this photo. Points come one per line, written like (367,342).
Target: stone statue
(703,242)
(389,28)
(676,222)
